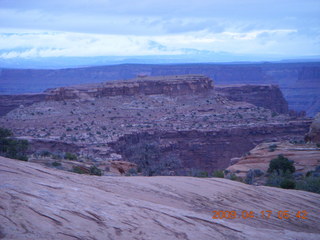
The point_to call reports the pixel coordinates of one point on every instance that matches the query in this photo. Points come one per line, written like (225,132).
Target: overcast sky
(45,28)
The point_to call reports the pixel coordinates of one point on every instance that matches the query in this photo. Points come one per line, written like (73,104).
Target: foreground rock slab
(42,203)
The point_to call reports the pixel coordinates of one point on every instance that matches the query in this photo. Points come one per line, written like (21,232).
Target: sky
(95,28)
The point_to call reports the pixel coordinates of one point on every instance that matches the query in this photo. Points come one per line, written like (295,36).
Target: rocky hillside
(180,122)
(300,82)
(306,157)
(41,203)
(266,96)
(314,132)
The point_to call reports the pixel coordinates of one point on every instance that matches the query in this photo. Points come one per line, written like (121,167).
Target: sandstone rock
(267,96)
(314,132)
(306,157)
(41,203)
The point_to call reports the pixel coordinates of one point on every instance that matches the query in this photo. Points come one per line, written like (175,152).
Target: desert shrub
(272,147)
(80,170)
(281,163)
(132,172)
(252,174)
(218,174)
(12,148)
(288,183)
(310,184)
(56,164)
(202,174)
(150,160)
(5,133)
(233,177)
(44,153)
(95,171)
(70,156)
(277,177)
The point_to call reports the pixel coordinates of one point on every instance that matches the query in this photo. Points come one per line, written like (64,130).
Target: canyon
(167,125)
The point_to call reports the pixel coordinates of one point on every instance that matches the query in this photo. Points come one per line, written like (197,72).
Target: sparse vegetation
(12,148)
(218,174)
(56,164)
(272,147)
(281,163)
(70,156)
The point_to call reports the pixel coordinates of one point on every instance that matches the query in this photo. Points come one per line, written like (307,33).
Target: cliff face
(314,132)
(168,85)
(41,203)
(267,96)
(9,102)
(209,150)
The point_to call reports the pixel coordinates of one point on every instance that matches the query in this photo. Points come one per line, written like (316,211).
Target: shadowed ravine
(42,203)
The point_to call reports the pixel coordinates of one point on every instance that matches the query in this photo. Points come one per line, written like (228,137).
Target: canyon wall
(209,150)
(168,85)
(267,96)
(10,102)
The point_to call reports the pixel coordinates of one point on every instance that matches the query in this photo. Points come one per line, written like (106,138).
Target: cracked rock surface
(41,203)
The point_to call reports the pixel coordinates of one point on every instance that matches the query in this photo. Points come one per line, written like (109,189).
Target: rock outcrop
(41,203)
(266,96)
(10,102)
(305,156)
(314,132)
(167,85)
(209,150)
(193,125)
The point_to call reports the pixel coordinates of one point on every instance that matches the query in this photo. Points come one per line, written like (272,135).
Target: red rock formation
(314,132)
(41,203)
(211,150)
(306,157)
(9,102)
(267,96)
(168,85)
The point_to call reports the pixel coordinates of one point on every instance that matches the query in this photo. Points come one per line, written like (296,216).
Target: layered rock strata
(41,203)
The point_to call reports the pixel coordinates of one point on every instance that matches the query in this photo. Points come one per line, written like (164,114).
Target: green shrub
(202,174)
(252,174)
(80,170)
(149,158)
(218,174)
(288,183)
(12,148)
(233,177)
(5,133)
(70,156)
(44,153)
(56,164)
(95,171)
(272,147)
(281,163)
(310,184)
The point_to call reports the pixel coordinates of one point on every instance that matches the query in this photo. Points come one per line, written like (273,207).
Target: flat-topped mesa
(147,85)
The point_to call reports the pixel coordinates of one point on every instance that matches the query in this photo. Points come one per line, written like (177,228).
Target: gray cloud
(213,25)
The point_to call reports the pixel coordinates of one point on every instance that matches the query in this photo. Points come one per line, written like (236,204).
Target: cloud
(37,28)
(70,44)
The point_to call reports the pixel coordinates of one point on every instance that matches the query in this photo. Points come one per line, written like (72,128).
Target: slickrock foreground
(42,203)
